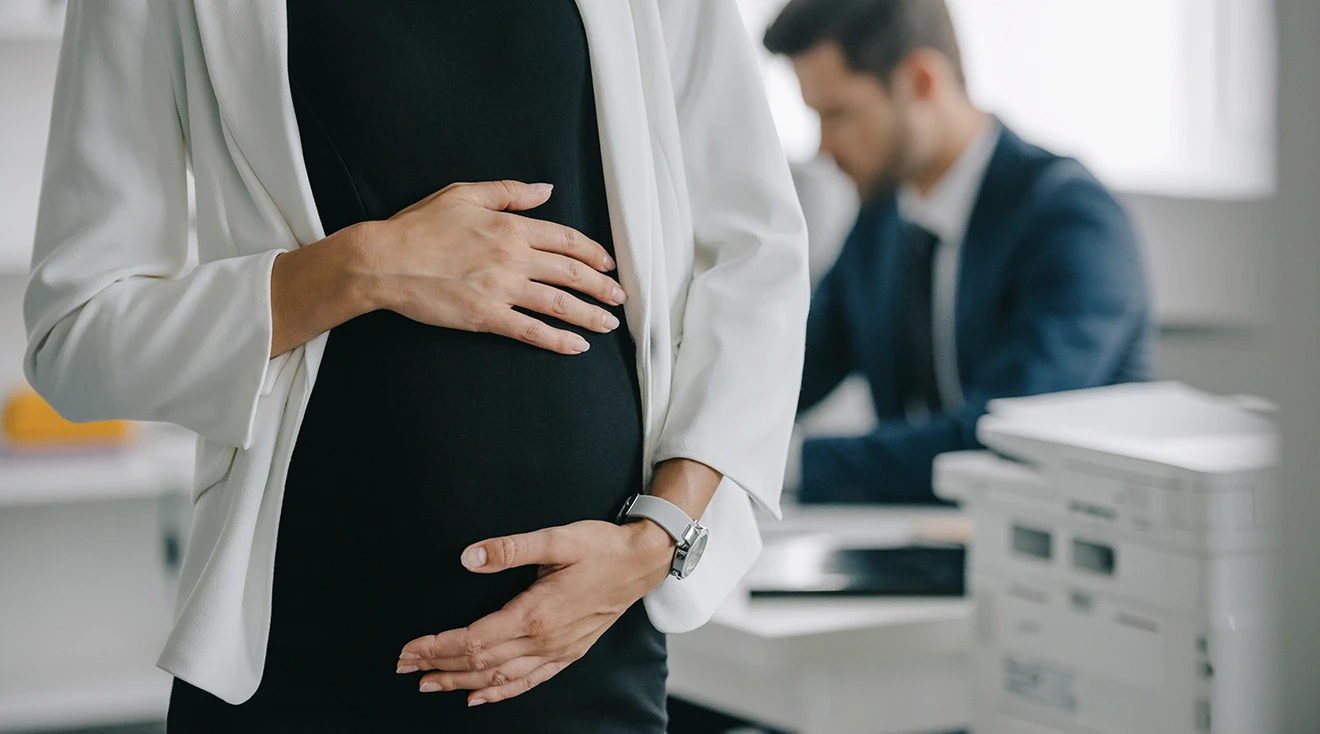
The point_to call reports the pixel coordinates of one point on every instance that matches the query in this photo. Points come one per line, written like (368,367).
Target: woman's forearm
(318,287)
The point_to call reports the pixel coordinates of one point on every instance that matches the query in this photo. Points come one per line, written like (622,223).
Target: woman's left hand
(591,572)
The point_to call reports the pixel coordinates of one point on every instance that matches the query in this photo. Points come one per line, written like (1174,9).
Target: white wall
(12,339)
(1292,363)
(1205,257)
(1212,292)
(27,81)
(27,74)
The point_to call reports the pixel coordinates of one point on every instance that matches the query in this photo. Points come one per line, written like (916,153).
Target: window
(1162,96)
(1166,96)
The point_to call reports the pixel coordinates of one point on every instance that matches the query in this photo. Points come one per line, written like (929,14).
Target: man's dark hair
(875,35)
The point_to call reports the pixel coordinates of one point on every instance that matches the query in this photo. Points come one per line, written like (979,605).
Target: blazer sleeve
(119,325)
(1082,305)
(738,369)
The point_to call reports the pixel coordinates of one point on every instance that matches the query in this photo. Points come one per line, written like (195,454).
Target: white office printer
(1122,564)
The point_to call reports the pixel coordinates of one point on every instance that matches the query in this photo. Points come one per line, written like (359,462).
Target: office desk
(834,666)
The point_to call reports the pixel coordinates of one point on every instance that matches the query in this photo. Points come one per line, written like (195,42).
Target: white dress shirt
(945,212)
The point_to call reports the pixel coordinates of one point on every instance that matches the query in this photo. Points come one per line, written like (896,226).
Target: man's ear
(923,72)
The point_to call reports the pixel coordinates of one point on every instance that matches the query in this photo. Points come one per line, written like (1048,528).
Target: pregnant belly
(419,440)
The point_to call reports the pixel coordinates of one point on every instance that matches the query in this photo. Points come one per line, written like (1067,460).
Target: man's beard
(898,167)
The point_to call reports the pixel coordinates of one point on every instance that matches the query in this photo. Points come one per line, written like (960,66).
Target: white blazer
(126,319)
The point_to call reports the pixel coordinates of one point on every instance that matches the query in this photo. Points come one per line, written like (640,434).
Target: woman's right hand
(460,259)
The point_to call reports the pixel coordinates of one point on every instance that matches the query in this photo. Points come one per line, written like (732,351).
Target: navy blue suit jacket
(1051,296)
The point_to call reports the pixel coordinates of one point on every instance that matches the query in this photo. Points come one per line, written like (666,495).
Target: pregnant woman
(493,321)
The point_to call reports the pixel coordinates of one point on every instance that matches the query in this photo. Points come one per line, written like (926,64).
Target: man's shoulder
(1043,204)
(1045,179)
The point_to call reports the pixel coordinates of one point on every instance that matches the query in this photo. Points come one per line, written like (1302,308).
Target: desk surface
(845,526)
(867,524)
(829,664)
(780,621)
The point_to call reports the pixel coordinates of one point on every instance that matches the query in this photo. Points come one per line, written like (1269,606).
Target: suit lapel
(981,251)
(889,264)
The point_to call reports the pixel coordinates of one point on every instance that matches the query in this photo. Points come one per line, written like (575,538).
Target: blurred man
(980,266)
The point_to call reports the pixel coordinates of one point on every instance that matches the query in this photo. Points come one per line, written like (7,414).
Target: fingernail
(609,263)
(581,345)
(476,702)
(474,557)
(542,188)
(619,295)
(409,656)
(429,687)
(402,669)
(611,322)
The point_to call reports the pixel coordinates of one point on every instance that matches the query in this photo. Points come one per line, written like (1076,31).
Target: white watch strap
(665,513)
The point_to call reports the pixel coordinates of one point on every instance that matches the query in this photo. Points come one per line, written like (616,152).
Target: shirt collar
(946,210)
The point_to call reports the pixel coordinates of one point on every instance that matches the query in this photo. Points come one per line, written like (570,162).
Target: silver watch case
(691,541)
(689,552)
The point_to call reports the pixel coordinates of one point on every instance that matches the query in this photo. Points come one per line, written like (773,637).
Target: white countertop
(159,461)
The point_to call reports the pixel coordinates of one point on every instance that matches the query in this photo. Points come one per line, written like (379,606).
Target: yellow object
(29,421)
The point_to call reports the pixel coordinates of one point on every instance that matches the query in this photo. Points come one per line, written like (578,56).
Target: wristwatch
(688,533)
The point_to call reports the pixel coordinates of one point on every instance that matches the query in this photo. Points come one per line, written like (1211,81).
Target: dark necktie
(916,354)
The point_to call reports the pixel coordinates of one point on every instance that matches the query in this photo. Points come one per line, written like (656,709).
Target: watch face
(693,556)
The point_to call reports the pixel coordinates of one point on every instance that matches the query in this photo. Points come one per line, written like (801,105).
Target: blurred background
(1199,116)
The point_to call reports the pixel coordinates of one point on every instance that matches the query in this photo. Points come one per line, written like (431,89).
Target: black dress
(419,440)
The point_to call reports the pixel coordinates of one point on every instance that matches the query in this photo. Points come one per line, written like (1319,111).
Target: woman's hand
(591,573)
(459,258)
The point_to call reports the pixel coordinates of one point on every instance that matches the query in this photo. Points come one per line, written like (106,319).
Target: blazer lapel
(246,50)
(625,151)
